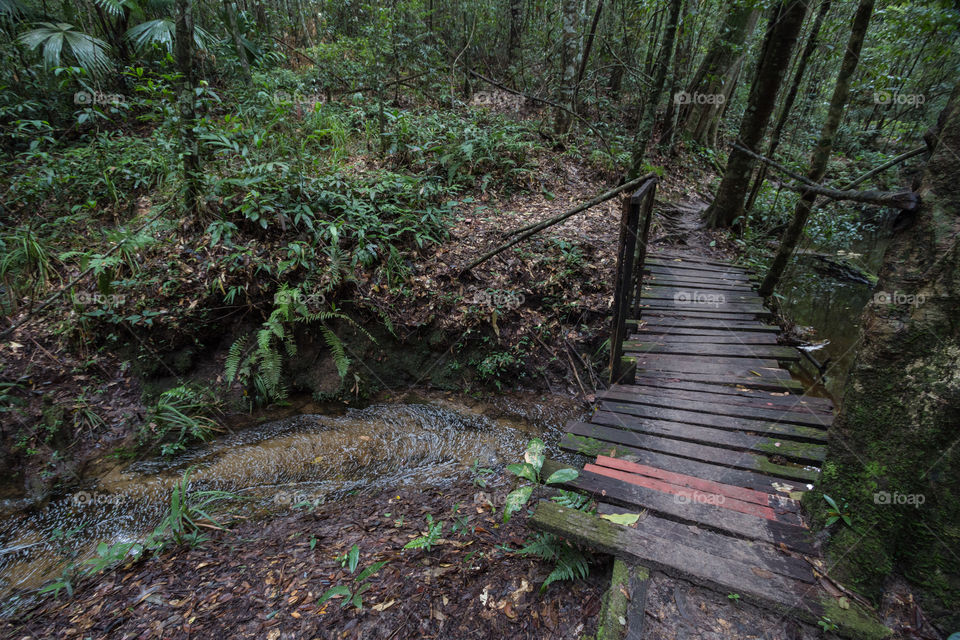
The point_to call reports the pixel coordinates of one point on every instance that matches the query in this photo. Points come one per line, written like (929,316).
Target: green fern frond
(340,358)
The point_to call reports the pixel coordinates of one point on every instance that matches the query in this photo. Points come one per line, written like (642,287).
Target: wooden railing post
(623,288)
(631,253)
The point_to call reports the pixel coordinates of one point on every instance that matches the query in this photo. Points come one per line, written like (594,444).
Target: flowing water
(305,458)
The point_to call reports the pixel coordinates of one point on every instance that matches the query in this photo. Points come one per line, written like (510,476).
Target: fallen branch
(906,200)
(884,167)
(603,197)
(530,230)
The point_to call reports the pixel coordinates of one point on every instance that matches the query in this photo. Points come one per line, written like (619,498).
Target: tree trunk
(782,32)
(647,118)
(231,10)
(585,56)
(189,149)
(513,40)
(894,449)
(570,15)
(821,154)
(680,61)
(789,100)
(717,71)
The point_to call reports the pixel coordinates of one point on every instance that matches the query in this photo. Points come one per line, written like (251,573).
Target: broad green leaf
(353,558)
(626,519)
(534,454)
(515,500)
(523,470)
(339,590)
(369,571)
(563,475)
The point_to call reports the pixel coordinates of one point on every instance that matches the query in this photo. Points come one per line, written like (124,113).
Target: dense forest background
(202,200)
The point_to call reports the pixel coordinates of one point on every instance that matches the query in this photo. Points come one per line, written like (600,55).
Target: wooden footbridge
(705,434)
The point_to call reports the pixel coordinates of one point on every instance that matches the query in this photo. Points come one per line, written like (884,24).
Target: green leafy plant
(353,593)
(835,512)
(430,538)
(827,624)
(180,416)
(187,510)
(569,561)
(479,473)
(529,469)
(733,597)
(260,366)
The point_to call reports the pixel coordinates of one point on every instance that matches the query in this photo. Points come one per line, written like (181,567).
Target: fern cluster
(569,561)
(258,365)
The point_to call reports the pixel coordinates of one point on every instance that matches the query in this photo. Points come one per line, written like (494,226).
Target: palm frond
(89,52)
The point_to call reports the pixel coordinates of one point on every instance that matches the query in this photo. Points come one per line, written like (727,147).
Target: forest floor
(263,578)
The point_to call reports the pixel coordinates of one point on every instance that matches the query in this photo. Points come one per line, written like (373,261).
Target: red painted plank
(691,495)
(708,486)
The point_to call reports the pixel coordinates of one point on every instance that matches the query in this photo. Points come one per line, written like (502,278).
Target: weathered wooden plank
(800,600)
(660,279)
(776,430)
(705,405)
(680,263)
(679,314)
(705,515)
(758,554)
(762,400)
(591,447)
(643,330)
(725,381)
(655,320)
(695,259)
(744,494)
(704,274)
(647,362)
(698,434)
(703,303)
(706,349)
(721,337)
(714,455)
(693,496)
(653,292)
(734,387)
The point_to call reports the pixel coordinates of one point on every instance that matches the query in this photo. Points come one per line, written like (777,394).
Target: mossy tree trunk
(894,452)
(788,101)
(715,75)
(785,23)
(821,154)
